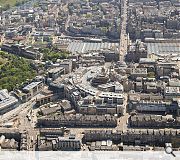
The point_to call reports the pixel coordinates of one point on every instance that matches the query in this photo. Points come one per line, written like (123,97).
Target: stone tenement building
(154,121)
(78,120)
(151,137)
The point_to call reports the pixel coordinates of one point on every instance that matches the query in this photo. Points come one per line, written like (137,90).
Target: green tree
(15,71)
(151,75)
(53,54)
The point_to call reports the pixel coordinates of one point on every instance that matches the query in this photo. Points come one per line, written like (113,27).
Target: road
(26,124)
(13,113)
(123,35)
(20,113)
(65,8)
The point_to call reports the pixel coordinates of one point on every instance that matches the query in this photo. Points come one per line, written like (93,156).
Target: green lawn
(4,3)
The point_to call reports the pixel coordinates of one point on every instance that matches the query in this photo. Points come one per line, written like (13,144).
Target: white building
(7,102)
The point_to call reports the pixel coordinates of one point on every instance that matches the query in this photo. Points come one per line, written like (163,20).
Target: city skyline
(90,75)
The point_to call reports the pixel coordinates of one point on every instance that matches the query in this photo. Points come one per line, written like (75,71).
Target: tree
(6,7)
(151,75)
(15,71)
(53,54)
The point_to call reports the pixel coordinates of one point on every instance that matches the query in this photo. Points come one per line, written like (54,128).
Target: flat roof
(163,48)
(107,85)
(139,70)
(57,69)
(111,95)
(3,94)
(31,86)
(6,99)
(83,47)
(175,90)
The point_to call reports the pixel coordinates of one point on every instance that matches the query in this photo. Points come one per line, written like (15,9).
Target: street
(123,35)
